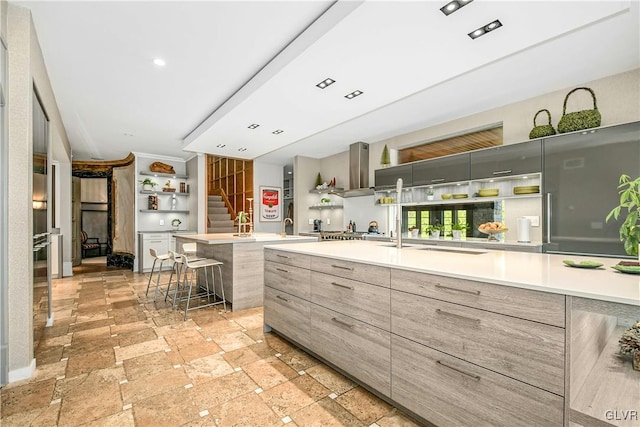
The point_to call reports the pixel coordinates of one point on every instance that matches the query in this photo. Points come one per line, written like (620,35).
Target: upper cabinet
(388,177)
(439,171)
(507,160)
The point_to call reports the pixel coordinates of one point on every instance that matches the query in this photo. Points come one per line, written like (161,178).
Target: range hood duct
(358,170)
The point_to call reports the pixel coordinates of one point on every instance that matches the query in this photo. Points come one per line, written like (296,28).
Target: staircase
(220,220)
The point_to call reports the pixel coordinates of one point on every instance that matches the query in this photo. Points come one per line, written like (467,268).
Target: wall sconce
(39,205)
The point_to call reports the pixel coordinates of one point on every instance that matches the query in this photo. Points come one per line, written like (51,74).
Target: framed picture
(270,204)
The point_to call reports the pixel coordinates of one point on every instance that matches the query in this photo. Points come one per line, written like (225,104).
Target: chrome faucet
(398,213)
(284,225)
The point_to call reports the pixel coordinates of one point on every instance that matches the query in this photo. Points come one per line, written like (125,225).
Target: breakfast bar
(243,259)
(463,336)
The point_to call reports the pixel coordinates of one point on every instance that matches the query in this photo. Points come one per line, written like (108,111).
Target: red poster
(270,204)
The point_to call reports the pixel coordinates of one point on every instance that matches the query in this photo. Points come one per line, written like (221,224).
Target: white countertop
(222,238)
(542,272)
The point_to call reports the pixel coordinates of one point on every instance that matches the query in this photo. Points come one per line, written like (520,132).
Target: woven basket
(584,119)
(542,130)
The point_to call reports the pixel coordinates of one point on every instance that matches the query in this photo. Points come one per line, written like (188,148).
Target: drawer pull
(502,172)
(457,316)
(342,323)
(475,377)
(437,180)
(439,286)
(341,286)
(282,298)
(282,269)
(282,256)
(342,267)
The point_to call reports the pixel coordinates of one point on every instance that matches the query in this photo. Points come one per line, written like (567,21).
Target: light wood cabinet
(527,351)
(540,307)
(365,302)
(448,391)
(293,280)
(288,258)
(288,315)
(356,347)
(352,270)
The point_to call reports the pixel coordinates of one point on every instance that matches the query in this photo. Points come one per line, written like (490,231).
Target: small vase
(636,360)
(435,234)
(147,187)
(430,197)
(456,234)
(414,233)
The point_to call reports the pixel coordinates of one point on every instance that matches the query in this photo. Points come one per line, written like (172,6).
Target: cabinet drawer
(527,351)
(450,392)
(362,301)
(288,258)
(358,348)
(287,314)
(287,278)
(352,270)
(532,305)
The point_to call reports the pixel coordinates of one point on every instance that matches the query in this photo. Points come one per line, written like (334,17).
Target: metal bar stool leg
(151,275)
(224,300)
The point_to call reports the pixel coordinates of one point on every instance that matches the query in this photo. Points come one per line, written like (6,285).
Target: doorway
(91,223)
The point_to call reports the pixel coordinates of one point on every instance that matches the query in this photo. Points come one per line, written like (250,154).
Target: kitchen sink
(393,245)
(455,251)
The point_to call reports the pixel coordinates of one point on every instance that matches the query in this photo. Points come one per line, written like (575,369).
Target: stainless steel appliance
(317,225)
(580,175)
(341,235)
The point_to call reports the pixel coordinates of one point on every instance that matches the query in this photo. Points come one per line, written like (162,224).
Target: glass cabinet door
(508,160)
(438,171)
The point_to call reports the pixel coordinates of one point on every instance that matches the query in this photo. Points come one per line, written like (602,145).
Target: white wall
(305,170)
(266,174)
(197,202)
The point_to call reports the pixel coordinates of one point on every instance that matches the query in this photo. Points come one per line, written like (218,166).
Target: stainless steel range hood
(358,170)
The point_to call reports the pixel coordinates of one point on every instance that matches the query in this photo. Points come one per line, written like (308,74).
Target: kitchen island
(460,336)
(243,259)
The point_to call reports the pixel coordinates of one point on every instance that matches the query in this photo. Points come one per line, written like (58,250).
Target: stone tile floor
(115,358)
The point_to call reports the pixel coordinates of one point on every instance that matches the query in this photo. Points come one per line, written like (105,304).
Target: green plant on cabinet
(629,191)
(385,158)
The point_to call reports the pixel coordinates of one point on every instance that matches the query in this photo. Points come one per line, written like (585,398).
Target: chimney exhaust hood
(358,170)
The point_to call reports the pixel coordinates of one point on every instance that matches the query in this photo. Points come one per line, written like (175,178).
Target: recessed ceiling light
(484,30)
(290,173)
(253,126)
(454,5)
(325,83)
(242,149)
(221,145)
(353,94)
(159,62)
(277,131)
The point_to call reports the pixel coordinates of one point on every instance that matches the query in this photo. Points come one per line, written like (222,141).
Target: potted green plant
(385,158)
(429,193)
(457,228)
(148,184)
(175,223)
(629,191)
(434,230)
(630,344)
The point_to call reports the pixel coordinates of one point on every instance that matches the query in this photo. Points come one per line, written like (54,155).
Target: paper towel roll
(524,230)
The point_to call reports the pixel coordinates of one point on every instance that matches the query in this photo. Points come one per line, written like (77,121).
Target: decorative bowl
(446,196)
(492,232)
(460,196)
(488,192)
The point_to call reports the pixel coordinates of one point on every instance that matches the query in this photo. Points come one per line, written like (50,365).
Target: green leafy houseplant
(459,226)
(630,344)
(629,203)
(434,227)
(148,181)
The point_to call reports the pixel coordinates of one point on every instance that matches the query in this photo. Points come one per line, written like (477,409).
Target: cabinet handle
(439,286)
(282,256)
(502,172)
(340,266)
(474,377)
(155,241)
(457,316)
(342,323)
(437,180)
(341,286)
(548,218)
(282,298)
(283,270)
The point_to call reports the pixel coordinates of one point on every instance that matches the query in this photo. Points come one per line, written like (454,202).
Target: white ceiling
(416,67)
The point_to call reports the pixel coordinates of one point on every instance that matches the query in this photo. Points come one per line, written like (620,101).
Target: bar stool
(156,257)
(191,268)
